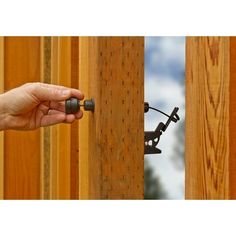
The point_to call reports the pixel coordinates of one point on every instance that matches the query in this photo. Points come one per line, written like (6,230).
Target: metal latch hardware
(73,105)
(152,138)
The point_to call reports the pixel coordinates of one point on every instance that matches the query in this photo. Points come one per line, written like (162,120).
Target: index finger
(74,92)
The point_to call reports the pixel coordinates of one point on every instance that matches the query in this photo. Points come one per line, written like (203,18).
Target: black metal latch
(152,138)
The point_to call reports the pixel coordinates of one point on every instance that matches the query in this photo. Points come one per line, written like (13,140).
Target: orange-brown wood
(112,138)
(22,149)
(232,120)
(74,171)
(45,163)
(64,130)
(210,118)
(54,183)
(84,142)
(1,132)
(45,51)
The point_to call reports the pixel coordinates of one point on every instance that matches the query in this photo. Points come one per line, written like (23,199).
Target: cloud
(165,56)
(170,93)
(165,91)
(164,61)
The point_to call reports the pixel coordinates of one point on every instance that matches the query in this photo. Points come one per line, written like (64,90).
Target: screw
(146,107)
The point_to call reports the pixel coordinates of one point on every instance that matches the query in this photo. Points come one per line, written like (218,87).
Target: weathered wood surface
(111,139)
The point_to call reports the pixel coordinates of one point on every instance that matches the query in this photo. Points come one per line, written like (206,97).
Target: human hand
(35,105)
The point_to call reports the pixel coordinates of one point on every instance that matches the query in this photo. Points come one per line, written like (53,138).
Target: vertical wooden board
(121,121)
(45,55)
(64,130)
(232,120)
(84,142)
(22,149)
(207,118)
(74,171)
(1,132)
(111,155)
(42,130)
(54,129)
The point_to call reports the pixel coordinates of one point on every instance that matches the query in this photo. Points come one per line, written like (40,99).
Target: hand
(34,105)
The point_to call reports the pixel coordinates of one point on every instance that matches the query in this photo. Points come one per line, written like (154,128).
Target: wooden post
(211,118)
(111,140)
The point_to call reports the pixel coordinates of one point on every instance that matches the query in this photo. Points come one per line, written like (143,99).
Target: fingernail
(65,92)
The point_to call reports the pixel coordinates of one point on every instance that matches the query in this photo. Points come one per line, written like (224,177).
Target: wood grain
(59,65)
(101,159)
(84,142)
(111,139)
(45,55)
(1,132)
(74,168)
(54,129)
(61,134)
(64,130)
(22,149)
(208,83)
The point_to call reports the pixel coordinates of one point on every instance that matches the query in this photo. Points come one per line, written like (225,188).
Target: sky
(164,89)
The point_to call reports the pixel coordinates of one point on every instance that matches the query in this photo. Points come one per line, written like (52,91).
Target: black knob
(89,105)
(73,105)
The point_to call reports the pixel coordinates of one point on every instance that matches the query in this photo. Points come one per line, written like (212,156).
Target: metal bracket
(152,138)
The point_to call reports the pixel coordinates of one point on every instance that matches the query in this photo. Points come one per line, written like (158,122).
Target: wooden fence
(211,118)
(101,156)
(98,157)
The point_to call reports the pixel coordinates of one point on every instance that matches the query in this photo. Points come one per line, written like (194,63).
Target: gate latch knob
(73,105)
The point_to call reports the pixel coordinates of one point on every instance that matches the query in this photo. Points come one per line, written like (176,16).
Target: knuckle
(29,85)
(54,92)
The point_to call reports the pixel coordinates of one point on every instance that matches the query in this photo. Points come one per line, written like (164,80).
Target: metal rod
(159,111)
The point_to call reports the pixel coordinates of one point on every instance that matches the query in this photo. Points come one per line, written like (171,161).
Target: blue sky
(164,89)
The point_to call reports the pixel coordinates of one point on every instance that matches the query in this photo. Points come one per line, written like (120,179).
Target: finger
(56,118)
(70,118)
(44,108)
(60,106)
(79,115)
(52,119)
(52,112)
(43,92)
(74,92)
